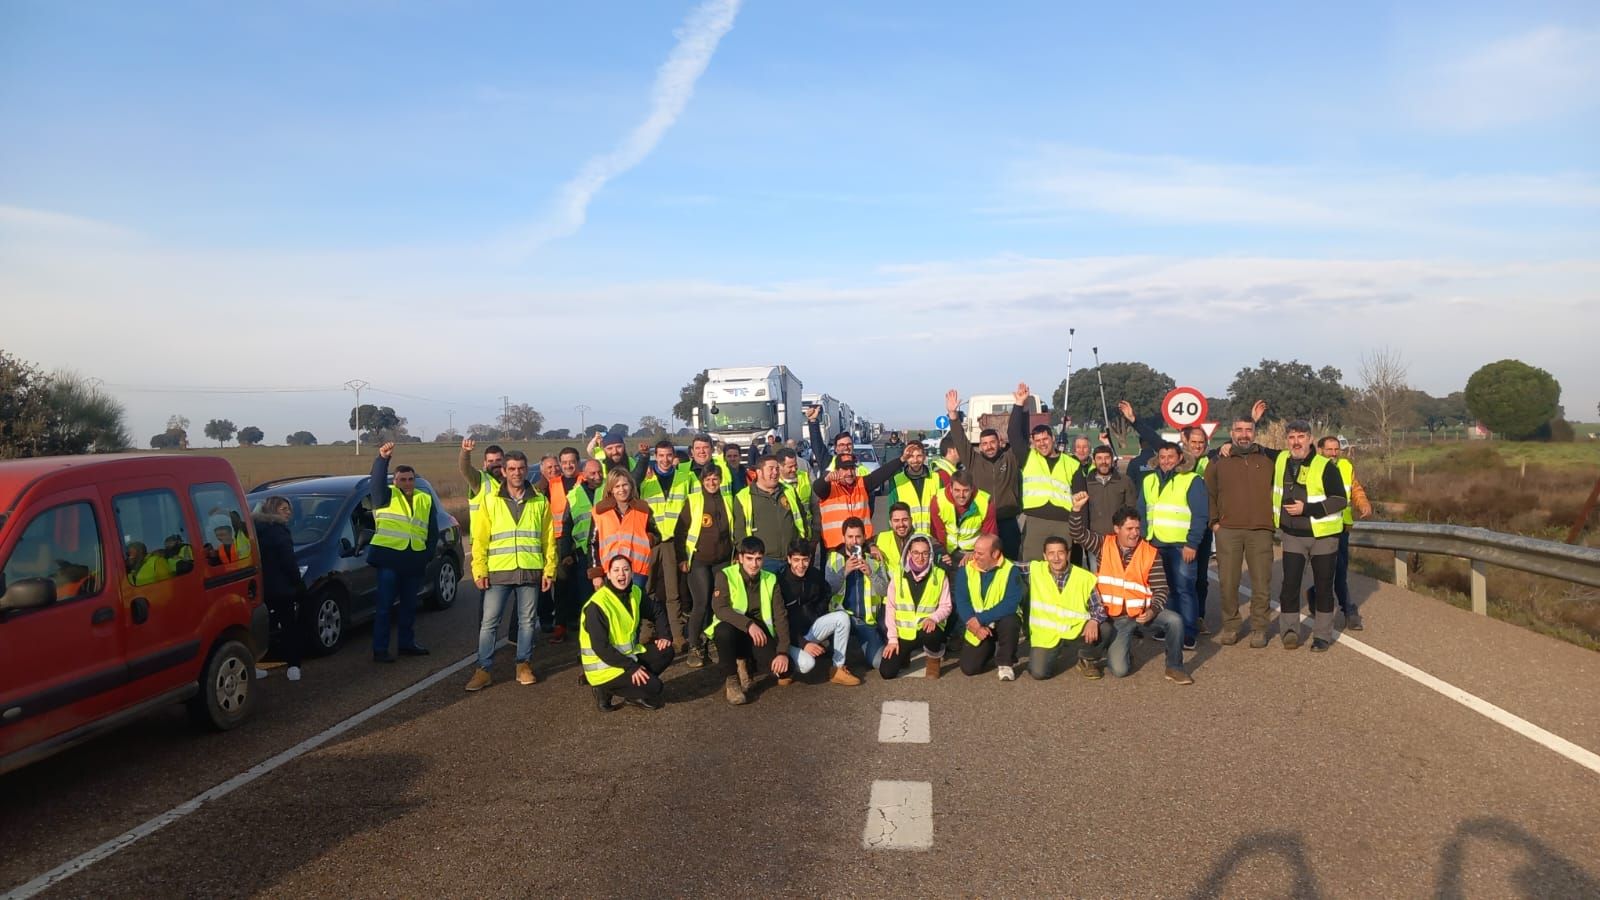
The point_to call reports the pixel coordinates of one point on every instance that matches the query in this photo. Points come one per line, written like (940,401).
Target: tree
(177,422)
(521,421)
(650,427)
(220,430)
(24,409)
(1383,400)
(593,430)
(558,434)
(1513,398)
(482,432)
(249,436)
(301,439)
(169,440)
(376,422)
(618,427)
(1293,390)
(1437,413)
(689,397)
(1134,382)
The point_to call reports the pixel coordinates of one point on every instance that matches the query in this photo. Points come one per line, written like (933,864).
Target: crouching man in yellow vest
(750,621)
(1133,590)
(615,663)
(1064,613)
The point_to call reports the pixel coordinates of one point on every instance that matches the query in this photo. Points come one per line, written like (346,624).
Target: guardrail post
(1480,587)
(1402,572)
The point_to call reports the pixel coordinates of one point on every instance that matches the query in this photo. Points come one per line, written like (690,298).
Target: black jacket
(805,600)
(280,573)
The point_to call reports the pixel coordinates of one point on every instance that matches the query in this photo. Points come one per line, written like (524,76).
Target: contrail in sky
(674,85)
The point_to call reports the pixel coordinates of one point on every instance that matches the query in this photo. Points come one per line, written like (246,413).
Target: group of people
(750,560)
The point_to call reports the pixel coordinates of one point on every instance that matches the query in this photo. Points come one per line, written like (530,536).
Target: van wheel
(225,696)
(445,582)
(326,622)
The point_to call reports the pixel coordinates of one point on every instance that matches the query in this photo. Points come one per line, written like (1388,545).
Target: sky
(231,210)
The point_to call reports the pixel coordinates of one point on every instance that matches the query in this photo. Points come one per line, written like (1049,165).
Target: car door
(361,578)
(162,595)
(62,666)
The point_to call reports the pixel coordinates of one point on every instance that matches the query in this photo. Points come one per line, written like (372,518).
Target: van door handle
(102,615)
(140,610)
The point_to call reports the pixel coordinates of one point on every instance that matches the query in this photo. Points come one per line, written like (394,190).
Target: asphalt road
(1277,773)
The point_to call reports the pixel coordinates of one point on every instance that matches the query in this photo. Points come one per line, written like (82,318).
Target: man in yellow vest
(404,541)
(1049,478)
(961,512)
(888,547)
(916,486)
(513,553)
(1359,507)
(1308,503)
(615,662)
(1176,515)
(1064,613)
(859,584)
(573,534)
(749,621)
(1133,593)
(987,593)
(493,467)
(797,481)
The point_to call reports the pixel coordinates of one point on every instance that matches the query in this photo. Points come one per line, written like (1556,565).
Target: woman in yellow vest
(615,663)
(917,611)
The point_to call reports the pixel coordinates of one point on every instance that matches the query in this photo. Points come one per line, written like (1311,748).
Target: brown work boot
(1291,639)
(1229,635)
(480,680)
(841,675)
(1090,669)
(785,680)
(1179,676)
(745,678)
(1259,639)
(525,674)
(733,691)
(931,666)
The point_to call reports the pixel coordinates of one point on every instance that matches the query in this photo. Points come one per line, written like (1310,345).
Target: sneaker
(417,650)
(1006,673)
(644,702)
(602,700)
(1189,644)
(931,667)
(261,673)
(1178,676)
(525,674)
(1202,627)
(1319,645)
(785,680)
(1352,622)
(1090,669)
(696,661)
(557,635)
(294,673)
(1156,634)
(1291,639)
(842,675)
(733,691)
(1259,639)
(1229,637)
(480,680)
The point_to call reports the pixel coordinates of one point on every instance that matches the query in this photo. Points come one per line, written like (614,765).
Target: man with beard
(994,472)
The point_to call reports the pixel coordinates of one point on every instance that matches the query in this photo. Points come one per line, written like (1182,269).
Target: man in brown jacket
(993,470)
(1239,486)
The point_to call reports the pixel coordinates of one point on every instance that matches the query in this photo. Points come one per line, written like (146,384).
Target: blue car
(331,526)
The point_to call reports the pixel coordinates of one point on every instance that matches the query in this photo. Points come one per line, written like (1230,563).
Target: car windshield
(312,515)
(754,415)
(866,454)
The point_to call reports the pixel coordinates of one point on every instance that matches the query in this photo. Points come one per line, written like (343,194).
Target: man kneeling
(806,597)
(614,663)
(748,623)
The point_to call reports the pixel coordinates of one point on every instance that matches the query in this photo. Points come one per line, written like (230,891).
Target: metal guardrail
(1483,548)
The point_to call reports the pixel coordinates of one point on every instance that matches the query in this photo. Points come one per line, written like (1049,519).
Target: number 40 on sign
(1184,406)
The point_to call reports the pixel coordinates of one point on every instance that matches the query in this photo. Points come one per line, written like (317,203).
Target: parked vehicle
(740,405)
(332,524)
(127,583)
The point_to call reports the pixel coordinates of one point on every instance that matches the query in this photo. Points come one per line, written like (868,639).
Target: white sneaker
(294,673)
(262,673)
(1006,674)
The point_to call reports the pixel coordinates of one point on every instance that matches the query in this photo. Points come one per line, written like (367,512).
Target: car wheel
(225,687)
(445,583)
(327,620)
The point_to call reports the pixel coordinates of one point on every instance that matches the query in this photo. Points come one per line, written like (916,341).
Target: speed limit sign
(1184,406)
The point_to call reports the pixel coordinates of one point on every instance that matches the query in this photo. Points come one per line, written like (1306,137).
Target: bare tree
(1384,402)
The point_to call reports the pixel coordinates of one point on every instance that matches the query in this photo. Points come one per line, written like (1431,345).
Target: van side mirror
(29,593)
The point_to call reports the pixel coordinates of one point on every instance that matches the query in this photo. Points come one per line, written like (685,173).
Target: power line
(148,389)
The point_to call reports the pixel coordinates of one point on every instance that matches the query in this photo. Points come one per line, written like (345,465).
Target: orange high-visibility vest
(628,536)
(558,505)
(1125,590)
(839,505)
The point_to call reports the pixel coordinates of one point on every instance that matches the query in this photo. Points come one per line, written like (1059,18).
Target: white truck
(741,404)
(829,417)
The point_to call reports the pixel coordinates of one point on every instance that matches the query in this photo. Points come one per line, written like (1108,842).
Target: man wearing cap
(1049,479)
(612,451)
(843,492)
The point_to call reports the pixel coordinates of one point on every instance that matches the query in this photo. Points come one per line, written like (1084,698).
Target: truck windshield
(754,415)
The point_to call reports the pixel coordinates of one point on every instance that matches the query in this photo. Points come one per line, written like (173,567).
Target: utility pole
(452,429)
(582,409)
(358,386)
(505,413)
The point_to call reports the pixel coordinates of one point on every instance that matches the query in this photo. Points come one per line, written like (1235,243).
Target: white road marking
(899,816)
(128,838)
(903,722)
(1549,740)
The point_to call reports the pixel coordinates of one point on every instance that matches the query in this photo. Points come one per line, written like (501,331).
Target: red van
(126,583)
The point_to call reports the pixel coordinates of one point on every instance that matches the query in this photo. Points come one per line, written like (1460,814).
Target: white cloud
(17,220)
(1171,189)
(674,85)
(1537,75)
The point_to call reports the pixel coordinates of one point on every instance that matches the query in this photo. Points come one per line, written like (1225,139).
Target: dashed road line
(128,838)
(1547,739)
(903,722)
(899,816)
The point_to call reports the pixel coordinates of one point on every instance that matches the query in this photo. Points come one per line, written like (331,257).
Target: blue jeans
(393,584)
(1118,633)
(1202,573)
(833,628)
(870,640)
(1181,581)
(1341,577)
(497,601)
